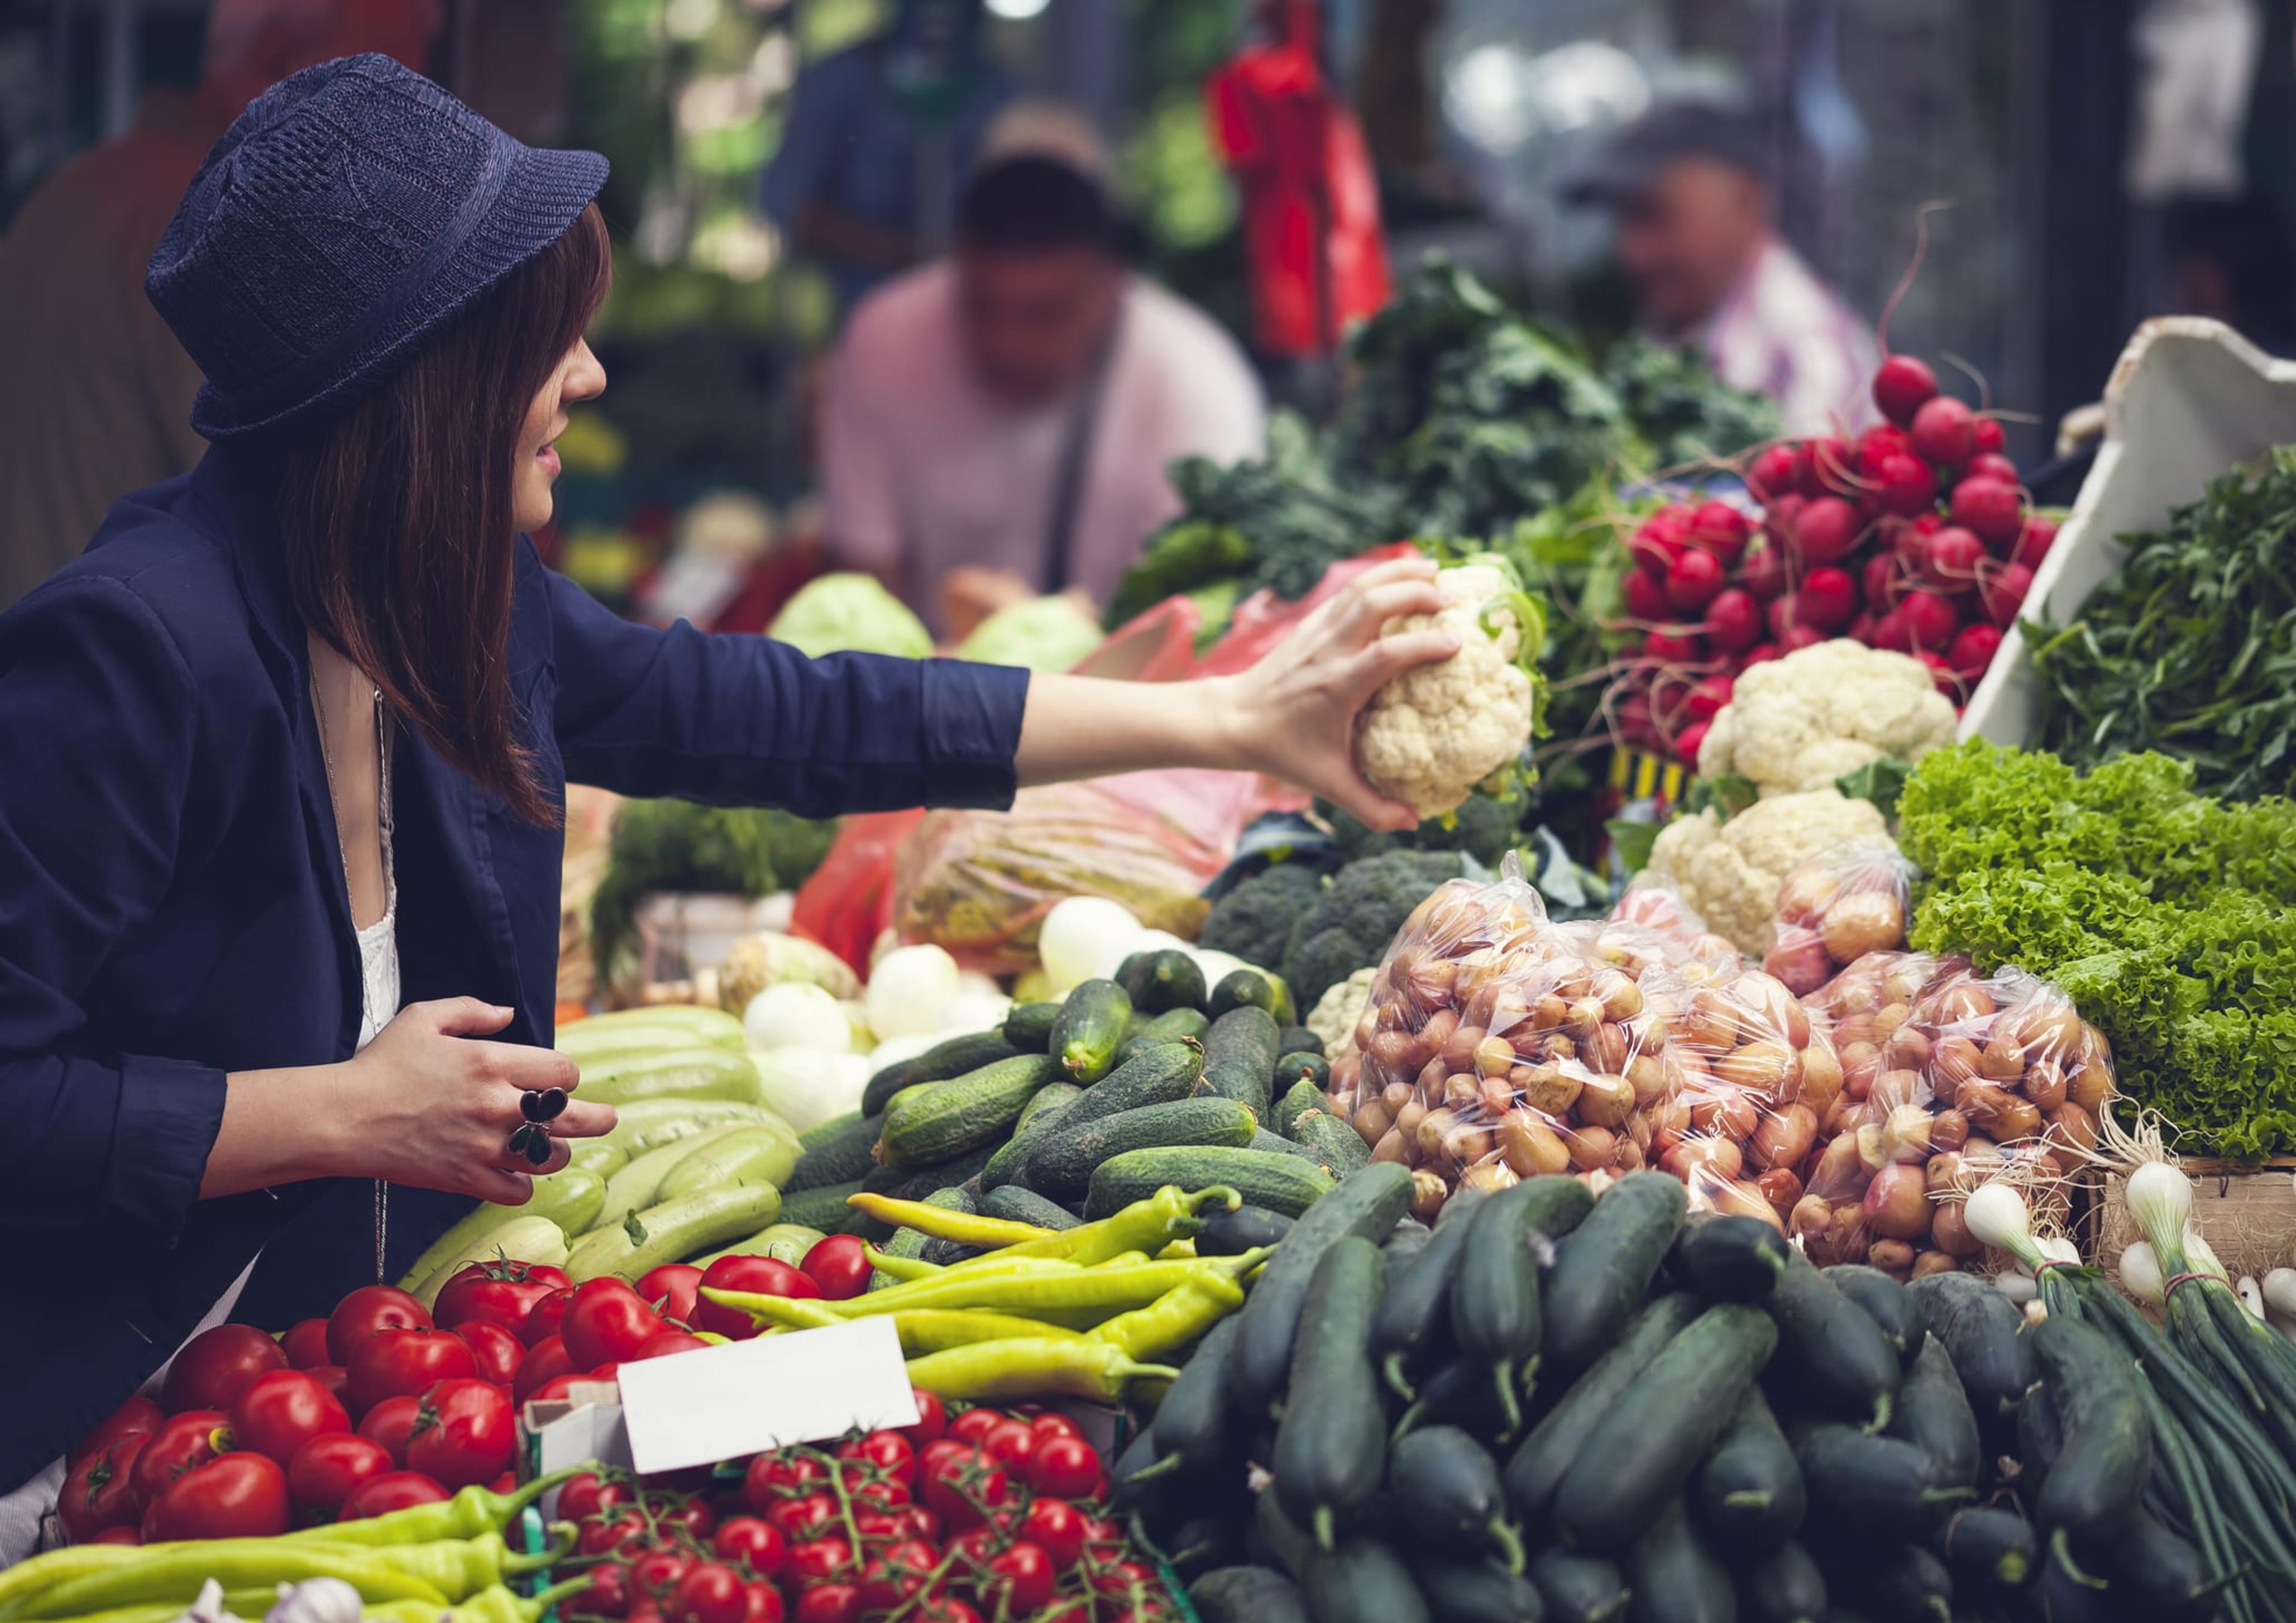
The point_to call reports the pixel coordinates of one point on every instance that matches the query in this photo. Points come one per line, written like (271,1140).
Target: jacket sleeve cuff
(971,716)
(169,1113)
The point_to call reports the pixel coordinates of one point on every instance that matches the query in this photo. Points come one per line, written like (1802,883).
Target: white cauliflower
(1431,735)
(1799,722)
(1730,872)
(1334,1016)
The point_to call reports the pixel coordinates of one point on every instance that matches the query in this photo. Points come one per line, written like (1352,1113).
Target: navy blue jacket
(172,905)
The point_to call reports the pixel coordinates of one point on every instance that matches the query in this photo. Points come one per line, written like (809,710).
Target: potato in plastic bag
(1835,908)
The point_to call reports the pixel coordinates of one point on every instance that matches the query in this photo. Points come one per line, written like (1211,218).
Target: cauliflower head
(1799,722)
(1334,1016)
(1730,872)
(1432,734)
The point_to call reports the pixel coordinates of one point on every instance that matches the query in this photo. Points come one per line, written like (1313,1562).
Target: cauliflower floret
(1730,872)
(1431,735)
(1799,722)
(1334,1016)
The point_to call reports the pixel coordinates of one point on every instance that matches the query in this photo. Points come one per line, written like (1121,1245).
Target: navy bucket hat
(348,212)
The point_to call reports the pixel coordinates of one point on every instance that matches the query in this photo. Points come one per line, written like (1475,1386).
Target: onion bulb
(2161,1203)
(909,989)
(2140,1273)
(2201,1257)
(2280,1293)
(796,1015)
(1078,935)
(2017,1287)
(1997,1216)
(2252,1296)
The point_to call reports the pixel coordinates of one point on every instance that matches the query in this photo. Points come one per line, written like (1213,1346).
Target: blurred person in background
(2230,257)
(100,395)
(1688,191)
(1000,422)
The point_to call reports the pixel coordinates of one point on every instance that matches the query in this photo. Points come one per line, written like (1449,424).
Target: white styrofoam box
(2188,400)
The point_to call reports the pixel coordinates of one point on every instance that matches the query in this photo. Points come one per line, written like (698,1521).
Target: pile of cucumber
(1070,1111)
(1556,1408)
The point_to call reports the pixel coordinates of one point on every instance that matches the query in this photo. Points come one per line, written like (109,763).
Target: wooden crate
(2246,1214)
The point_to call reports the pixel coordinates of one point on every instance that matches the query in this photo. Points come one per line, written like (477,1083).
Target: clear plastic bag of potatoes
(1656,907)
(1834,909)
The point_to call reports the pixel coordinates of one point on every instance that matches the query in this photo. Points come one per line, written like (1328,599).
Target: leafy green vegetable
(1881,782)
(1351,922)
(2169,916)
(1254,920)
(838,613)
(677,845)
(1727,795)
(1682,410)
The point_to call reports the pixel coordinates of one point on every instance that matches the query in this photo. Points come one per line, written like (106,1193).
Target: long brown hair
(397,516)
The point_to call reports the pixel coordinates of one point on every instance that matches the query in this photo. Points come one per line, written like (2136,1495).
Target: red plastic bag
(849,902)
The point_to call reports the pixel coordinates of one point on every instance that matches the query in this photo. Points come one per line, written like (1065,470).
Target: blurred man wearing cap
(1000,422)
(99,401)
(1687,189)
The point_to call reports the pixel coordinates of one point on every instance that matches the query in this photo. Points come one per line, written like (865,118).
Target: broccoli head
(1254,920)
(1350,924)
(1486,826)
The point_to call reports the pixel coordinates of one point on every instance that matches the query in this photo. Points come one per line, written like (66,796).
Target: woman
(282,756)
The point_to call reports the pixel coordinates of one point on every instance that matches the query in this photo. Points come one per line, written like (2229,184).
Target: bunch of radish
(1914,536)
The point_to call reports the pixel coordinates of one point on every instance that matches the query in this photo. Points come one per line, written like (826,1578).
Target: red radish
(2002,592)
(1687,742)
(1952,558)
(1944,430)
(1704,701)
(1972,651)
(1771,473)
(1782,616)
(1930,620)
(1905,483)
(1992,465)
(1778,519)
(1645,596)
(1890,632)
(1635,723)
(1901,385)
(1755,655)
(1720,528)
(1879,575)
(1765,573)
(1986,434)
(1734,620)
(1876,444)
(1801,637)
(1671,648)
(1669,693)
(1825,531)
(1827,600)
(1949,681)
(1693,580)
(2033,542)
(1991,510)
(1861,629)
(1657,542)
(1823,467)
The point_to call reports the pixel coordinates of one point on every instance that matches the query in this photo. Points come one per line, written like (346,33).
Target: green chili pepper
(239,1602)
(1145,1226)
(939,1222)
(902,1269)
(1113,1290)
(1073,1366)
(469,1512)
(783,1311)
(57,1566)
(237,1563)
(931,1330)
(1180,1316)
(497,1604)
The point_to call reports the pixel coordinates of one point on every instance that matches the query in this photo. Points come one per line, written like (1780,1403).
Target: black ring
(543,1104)
(532,1142)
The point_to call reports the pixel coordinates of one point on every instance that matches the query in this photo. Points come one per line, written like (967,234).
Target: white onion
(2159,1200)
(2201,1256)
(2280,1293)
(2140,1273)
(2017,1287)
(1216,966)
(2252,1296)
(908,990)
(1997,1216)
(969,1012)
(893,1050)
(1079,934)
(806,1086)
(796,1015)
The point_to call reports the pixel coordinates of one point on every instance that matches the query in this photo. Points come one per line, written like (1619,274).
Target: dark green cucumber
(1061,1164)
(1240,1057)
(823,1207)
(1248,989)
(1882,1486)
(1459,1392)
(1010,1159)
(1231,1234)
(1448,1489)
(837,1151)
(910,1243)
(1331,1449)
(1726,1259)
(1748,1495)
(1478,1592)
(1415,1319)
(1366,1205)
(1891,1581)
(1932,1413)
(1164,978)
(1299,1039)
(1603,1269)
(1887,1303)
(1403,1245)
(1676,1579)
(2161,1571)
(1784,1586)
(1495,1315)
(1275,1144)
(2040,1436)
(1052,1096)
(1832,1360)
(2060,1597)
(1156,1075)
(1979,1328)
(1092,1022)
(1247,1594)
(917,1182)
(942,1061)
(1131,1488)
(1303,1098)
(1291,1546)
(1363,1582)
(1296,1066)
(1194,1426)
(2098,1480)
(1281,1182)
(1990,1547)
(1172,1026)
(971,1110)
(1640,1455)
(1556,1443)
(1579,1588)
(1015,1204)
(1029,1026)
(1335,1143)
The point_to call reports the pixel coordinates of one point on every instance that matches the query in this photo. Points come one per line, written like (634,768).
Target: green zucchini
(572,1200)
(1279,1181)
(1990,1547)
(1194,1425)
(2060,1597)
(1863,1484)
(975,1108)
(2098,1479)
(1015,1204)
(1979,1328)
(696,1074)
(1231,1234)
(602,1160)
(1248,989)
(1335,1143)
(1331,1449)
(1783,1586)
(1295,1066)
(2161,1571)
(1887,1303)
(1029,1026)
(1747,1494)
(1556,1443)
(1164,978)
(1726,1259)
(942,1062)
(1495,1318)
(2040,1436)
(1172,1026)
(634,1185)
(1303,1098)
(1932,1413)
(1578,1588)
(1247,1594)
(1478,1592)
(688,1025)
(1366,1205)
(1404,1243)
(1413,1323)
(1603,1269)
(1061,1164)
(834,1153)
(1892,1581)
(673,1231)
(747,1155)
(1640,1455)
(913,1243)
(1091,1023)
(1240,1057)
(1052,1096)
(1363,1582)
(1448,1487)
(1291,1548)
(1832,1358)
(823,1208)
(1676,1578)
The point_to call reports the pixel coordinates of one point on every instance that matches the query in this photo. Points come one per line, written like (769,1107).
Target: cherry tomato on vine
(585,1496)
(1057,1528)
(1049,1425)
(921,1523)
(975,1548)
(710,1593)
(1021,1578)
(766,1603)
(945,1609)
(881,1527)
(693,1514)
(884,1493)
(621,1531)
(898,1574)
(658,1571)
(889,1451)
(819,1559)
(805,1517)
(609,1594)
(1065,1467)
(772,1478)
(974,1423)
(752,1542)
(1008,1442)
(828,1603)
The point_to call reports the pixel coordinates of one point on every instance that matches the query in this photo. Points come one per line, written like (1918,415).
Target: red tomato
(608,1595)
(545,1359)
(216,1365)
(1065,1467)
(693,1514)
(282,1411)
(503,1292)
(605,1322)
(306,1344)
(973,1424)
(759,1275)
(887,1451)
(1057,1528)
(962,1491)
(99,1491)
(139,1417)
(658,1571)
(234,1496)
(751,1542)
(1021,1579)
(367,1310)
(829,1603)
(1047,1425)
(546,1319)
(766,1603)
(497,1352)
(816,1559)
(669,1289)
(839,1265)
(184,1442)
(463,1434)
(1126,1578)
(118,1535)
(1008,1442)
(336,1379)
(772,1478)
(945,1609)
(879,1493)
(622,1532)
(328,1469)
(1102,1537)
(922,1523)
(407,1363)
(712,1593)
(805,1517)
(561,1387)
(932,1419)
(900,1573)
(589,1494)
(975,1548)
(664,1342)
(388,1423)
(642,1610)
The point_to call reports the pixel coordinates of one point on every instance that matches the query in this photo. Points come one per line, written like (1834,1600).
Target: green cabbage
(849,613)
(1038,634)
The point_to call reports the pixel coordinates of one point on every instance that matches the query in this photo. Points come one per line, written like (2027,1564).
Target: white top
(924,469)
(1782,334)
(378,943)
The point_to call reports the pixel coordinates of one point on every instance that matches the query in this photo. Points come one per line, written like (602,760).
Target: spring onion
(2140,1273)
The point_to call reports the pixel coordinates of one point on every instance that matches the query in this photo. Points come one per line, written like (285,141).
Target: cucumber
(1158,1074)
(1748,1495)
(1404,1243)
(747,1155)
(1676,1579)
(1932,1413)
(1726,1259)
(1979,1328)
(1363,1582)
(1247,1594)
(1160,980)
(1281,1182)
(1990,1547)
(1240,1057)
(2040,1436)
(1061,1165)
(1291,1548)
(2159,1571)
(1052,1096)
(1458,1393)
(2098,1479)
(973,1110)
(1495,1310)
(1275,1144)
(1893,1582)
(1640,1455)
(596,1155)
(1029,1026)
(1091,1023)
(1248,989)
(1413,1323)
(824,1208)
(1862,1484)
(1193,1424)
(1832,1360)
(782,1241)
(1782,1586)
(1555,1444)
(1231,1234)
(1603,1269)
(1478,1592)
(671,1231)
(1299,1039)
(1334,1143)
(1887,1303)
(943,1061)
(635,1187)
(1578,1588)
(677,1073)
(1009,1160)
(1298,1066)
(1331,1449)
(914,1183)
(834,1153)
(1366,1205)
(909,1243)
(1303,1098)
(1015,1204)
(1449,1490)
(1172,1026)
(2060,1597)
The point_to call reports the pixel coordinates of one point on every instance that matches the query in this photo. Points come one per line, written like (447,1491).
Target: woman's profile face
(578,377)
